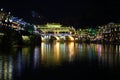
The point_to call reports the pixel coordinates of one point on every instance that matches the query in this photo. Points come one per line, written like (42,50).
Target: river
(59,61)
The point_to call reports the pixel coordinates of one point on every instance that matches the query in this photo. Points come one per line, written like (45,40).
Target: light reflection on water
(54,54)
(6,68)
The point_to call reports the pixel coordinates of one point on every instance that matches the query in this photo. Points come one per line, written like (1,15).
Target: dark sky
(70,12)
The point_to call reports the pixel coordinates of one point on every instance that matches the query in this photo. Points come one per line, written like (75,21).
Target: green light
(30,31)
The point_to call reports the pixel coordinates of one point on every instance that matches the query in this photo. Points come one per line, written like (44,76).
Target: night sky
(68,12)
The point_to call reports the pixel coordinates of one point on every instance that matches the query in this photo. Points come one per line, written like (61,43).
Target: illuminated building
(111,32)
(56,31)
(1,15)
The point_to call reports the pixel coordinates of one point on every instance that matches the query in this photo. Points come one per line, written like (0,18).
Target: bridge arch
(55,38)
(69,38)
(42,38)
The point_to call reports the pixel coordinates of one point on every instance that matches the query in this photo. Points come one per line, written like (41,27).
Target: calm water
(59,60)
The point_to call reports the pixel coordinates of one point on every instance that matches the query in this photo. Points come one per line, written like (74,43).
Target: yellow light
(53,25)
(14,26)
(42,39)
(2,34)
(42,51)
(58,39)
(57,52)
(25,37)
(71,50)
(71,38)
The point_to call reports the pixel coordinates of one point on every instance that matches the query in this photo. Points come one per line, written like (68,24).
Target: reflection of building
(50,55)
(71,51)
(6,68)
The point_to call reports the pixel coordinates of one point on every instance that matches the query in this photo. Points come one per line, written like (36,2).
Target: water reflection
(13,63)
(19,62)
(36,56)
(50,53)
(98,47)
(90,53)
(110,55)
(56,53)
(6,68)
(70,50)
